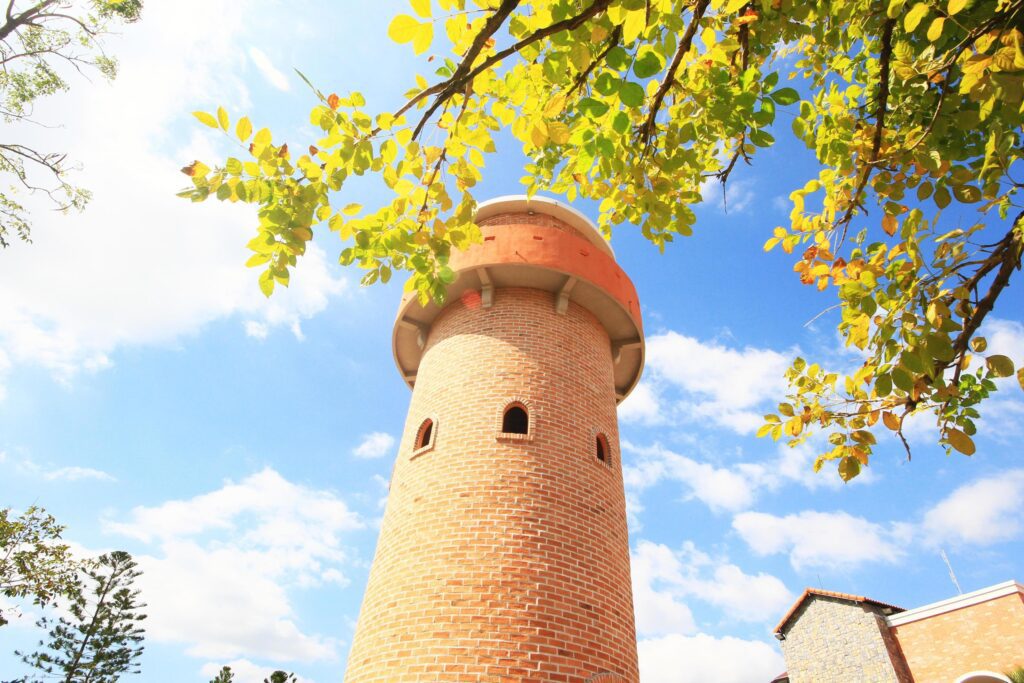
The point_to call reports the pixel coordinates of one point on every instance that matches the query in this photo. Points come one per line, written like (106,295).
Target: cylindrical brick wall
(504,558)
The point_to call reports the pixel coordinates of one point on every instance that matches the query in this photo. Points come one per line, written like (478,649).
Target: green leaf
(647,66)
(785,96)
(999,365)
(205,118)
(914,16)
(446,275)
(620,124)
(592,108)
(761,138)
(631,94)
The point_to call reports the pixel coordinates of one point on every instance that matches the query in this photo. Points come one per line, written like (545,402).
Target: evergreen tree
(281,677)
(225,676)
(101,637)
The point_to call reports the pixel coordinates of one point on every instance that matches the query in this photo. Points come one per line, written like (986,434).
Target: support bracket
(562,302)
(486,288)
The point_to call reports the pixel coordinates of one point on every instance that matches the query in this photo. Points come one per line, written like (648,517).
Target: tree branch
(884,63)
(464,74)
(647,129)
(581,79)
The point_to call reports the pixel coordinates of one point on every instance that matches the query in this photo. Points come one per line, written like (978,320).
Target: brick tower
(503,554)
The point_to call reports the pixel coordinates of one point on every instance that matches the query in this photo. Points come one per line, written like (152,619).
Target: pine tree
(225,676)
(100,638)
(281,677)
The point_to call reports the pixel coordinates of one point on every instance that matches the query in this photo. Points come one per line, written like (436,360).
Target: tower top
(535,243)
(520,203)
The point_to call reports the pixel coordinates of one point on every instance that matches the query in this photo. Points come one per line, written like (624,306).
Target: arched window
(424,435)
(515,420)
(602,448)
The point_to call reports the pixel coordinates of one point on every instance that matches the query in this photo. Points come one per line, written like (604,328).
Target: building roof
(781,678)
(959,602)
(808,592)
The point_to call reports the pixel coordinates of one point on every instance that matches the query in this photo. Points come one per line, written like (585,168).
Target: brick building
(503,553)
(829,637)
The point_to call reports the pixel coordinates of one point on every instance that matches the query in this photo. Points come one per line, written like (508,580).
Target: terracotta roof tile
(830,594)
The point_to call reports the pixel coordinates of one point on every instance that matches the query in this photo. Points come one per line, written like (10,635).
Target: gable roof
(808,592)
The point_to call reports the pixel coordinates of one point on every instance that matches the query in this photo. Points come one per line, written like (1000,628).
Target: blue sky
(239,448)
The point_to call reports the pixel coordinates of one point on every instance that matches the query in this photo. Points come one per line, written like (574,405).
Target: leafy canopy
(34,564)
(909,107)
(41,42)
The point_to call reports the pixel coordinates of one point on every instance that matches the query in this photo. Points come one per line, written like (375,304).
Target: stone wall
(830,640)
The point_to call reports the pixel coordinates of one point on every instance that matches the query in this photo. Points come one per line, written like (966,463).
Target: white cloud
(269,71)
(669,575)
(77,474)
(244,671)
(823,539)
(141,266)
(696,659)
(737,196)
(642,406)
(223,564)
(1005,337)
(374,445)
(657,610)
(720,488)
(726,487)
(710,381)
(29,467)
(982,512)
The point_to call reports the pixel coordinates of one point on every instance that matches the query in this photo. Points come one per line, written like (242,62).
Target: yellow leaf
(914,16)
(890,224)
(205,118)
(636,22)
(935,30)
(734,6)
(424,37)
(555,106)
(222,118)
(999,366)
(243,129)
(794,426)
(421,7)
(955,6)
(1020,377)
(403,28)
(539,133)
(558,132)
(960,441)
(891,421)
(263,137)
(352,209)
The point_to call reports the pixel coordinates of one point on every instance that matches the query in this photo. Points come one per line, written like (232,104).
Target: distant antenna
(951,574)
